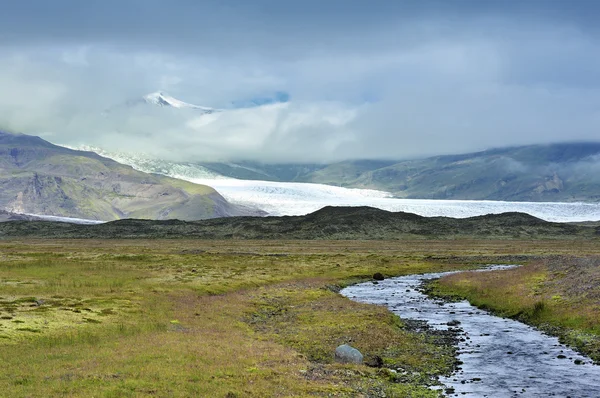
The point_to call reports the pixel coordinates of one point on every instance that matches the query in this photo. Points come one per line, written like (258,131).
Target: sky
(302,81)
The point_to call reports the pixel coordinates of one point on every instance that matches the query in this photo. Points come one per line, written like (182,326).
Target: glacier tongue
(290,199)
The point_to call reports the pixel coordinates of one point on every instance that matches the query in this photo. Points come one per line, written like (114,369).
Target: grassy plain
(129,318)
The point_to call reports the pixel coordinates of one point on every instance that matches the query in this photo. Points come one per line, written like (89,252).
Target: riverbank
(558,294)
(220,318)
(497,356)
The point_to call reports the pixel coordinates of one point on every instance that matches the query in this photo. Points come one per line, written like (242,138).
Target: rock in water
(378,276)
(347,354)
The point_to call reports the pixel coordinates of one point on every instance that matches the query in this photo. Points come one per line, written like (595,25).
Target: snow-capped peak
(161,99)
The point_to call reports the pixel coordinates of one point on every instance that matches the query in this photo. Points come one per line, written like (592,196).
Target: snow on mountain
(161,99)
(290,198)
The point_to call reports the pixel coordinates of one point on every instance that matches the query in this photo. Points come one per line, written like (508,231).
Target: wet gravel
(498,357)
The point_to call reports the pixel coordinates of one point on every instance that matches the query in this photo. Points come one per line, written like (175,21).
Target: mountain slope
(557,172)
(41,178)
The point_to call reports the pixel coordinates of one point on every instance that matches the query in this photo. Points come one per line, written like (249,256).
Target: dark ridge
(335,212)
(335,223)
(511,217)
(135,222)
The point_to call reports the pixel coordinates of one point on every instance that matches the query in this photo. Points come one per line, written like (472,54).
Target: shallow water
(501,357)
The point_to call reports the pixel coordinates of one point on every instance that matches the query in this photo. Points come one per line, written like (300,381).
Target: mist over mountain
(302,82)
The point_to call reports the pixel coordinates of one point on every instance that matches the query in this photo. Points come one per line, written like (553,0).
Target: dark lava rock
(375,362)
(378,276)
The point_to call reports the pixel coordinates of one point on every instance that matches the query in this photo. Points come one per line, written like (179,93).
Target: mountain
(556,172)
(565,172)
(141,162)
(261,171)
(327,223)
(164,100)
(37,177)
(158,100)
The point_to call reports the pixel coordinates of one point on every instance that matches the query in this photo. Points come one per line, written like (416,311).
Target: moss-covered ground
(220,318)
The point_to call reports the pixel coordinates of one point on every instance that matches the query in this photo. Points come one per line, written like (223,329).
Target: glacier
(295,199)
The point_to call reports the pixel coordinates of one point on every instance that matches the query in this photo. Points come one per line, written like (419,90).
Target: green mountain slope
(262,171)
(557,172)
(41,178)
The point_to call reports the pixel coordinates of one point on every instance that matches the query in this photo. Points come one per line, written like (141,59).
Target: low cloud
(365,82)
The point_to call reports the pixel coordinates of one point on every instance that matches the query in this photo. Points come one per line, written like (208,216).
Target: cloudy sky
(366,79)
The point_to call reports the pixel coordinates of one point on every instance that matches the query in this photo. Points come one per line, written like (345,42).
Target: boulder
(348,354)
(378,276)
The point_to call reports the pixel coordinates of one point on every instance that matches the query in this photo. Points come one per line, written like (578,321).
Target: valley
(224,318)
(562,172)
(341,199)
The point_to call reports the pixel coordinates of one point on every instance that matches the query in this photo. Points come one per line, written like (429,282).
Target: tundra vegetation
(226,318)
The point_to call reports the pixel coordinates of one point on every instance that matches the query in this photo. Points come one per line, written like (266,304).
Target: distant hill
(327,223)
(38,177)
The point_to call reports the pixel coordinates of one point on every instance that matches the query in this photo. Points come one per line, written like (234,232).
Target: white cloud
(397,90)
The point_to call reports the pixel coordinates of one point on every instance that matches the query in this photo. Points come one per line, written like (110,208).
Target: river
(500,357)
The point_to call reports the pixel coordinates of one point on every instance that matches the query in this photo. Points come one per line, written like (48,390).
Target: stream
(500,357)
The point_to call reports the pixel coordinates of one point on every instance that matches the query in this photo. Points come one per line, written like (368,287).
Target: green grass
(209,318)
(190,188)
(559,295)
